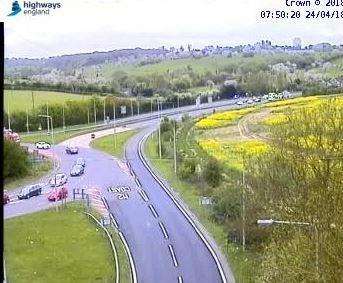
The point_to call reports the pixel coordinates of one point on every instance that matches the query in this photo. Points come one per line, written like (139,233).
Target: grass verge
(36,172)
(239,261)
(106,143)
(57,246)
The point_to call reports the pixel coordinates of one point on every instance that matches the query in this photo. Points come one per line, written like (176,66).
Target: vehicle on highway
(93,136)
(58,180)
(30,191)
(257,99)
(72,150)
(80,161)
(6,197)
(250,101)
(10,135)
(42,145)
(239,102)
(77,170)
(58,194)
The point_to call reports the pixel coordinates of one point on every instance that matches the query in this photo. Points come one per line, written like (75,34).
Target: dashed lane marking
(164,230)
(153,211)
(143,195)
(172,253)
(179,279)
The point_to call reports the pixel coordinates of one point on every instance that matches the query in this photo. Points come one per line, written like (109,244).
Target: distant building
(322,47)
(297,43)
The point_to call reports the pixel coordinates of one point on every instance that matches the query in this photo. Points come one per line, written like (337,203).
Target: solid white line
(105,203)
(179,279)
(164,230)
(172,253)
(184,212)
(114,220)
(132,263)
(153,211)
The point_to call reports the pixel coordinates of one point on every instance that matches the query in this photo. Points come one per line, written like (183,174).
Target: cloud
(84,25)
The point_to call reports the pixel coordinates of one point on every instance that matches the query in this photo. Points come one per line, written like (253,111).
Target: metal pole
(159,133)
(94,111)
(27,120)
(33,100)
(178,101)
(88,115)
(47,114)
(114,126)
(138,106)
(175,163)
(53,143)
(151,106)
(64,122)
(104,111)
(131,107)
(243,209)
(9,114)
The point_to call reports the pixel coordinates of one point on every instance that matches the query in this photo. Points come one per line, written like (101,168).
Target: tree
(212,172)
(16,162)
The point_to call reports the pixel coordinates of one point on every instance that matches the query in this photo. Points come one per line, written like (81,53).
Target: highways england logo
(34,8)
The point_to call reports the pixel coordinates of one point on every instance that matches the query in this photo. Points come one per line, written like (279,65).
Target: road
(165,244)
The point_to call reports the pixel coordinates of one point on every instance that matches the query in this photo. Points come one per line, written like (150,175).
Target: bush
(212,173)
(16,163)
(187,169)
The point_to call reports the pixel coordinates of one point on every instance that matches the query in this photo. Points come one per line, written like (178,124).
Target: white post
(138,105)
(88,115)
(64,122)
(243,208)
(131,107)
(53,143)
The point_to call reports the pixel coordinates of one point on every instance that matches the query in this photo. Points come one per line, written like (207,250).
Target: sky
(102,25)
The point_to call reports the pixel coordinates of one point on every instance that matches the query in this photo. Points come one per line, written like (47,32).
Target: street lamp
(52,134)
(270,222)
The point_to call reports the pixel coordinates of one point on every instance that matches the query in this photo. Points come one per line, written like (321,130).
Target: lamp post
(52,135)
(159,131)
(270,222)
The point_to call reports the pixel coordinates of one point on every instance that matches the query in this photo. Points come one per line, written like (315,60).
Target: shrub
(16,163)
(213,173)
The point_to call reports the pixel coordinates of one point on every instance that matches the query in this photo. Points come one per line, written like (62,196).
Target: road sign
(205,200)
(123,109)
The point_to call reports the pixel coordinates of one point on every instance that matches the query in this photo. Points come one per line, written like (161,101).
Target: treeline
(87,111)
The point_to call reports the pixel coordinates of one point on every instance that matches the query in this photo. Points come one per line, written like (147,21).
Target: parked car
(42,145)
(80,161)
(77,170)
(58,194)
(30,191)
(6,198)
(58,180)
(72,150)
(93,136)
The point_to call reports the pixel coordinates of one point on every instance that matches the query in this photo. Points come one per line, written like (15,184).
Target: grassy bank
(106,143)
(240,262)
(35,173)
(56,246)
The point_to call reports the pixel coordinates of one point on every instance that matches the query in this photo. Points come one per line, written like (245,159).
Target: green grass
(36,172)
(57,246)
(106,144)
(240,261)
(20,100)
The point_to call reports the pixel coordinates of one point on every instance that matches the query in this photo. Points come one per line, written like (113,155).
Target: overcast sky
(101,25)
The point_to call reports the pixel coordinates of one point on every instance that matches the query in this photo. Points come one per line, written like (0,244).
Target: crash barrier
(107,220)
(113,247)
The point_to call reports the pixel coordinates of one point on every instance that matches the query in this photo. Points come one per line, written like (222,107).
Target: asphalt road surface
(164,244)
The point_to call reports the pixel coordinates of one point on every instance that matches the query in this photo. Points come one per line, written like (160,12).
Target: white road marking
(138,183)
(164,230)
(172,253)
(114,221)
(153,211)
(179,279)
(143,195)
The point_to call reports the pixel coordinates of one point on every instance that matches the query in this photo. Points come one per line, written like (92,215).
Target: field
(20,100)
(56,246)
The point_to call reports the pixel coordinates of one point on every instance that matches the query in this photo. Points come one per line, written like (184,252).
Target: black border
(2,59)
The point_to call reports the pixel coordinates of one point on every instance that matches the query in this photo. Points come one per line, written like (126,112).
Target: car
(93,136)
(240,102)
(42,145)
(58,194)
(72,150)
(6,198)
(257,99)
(80,161)
(30,191)
(58,180)
(77,170)
(250,101)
